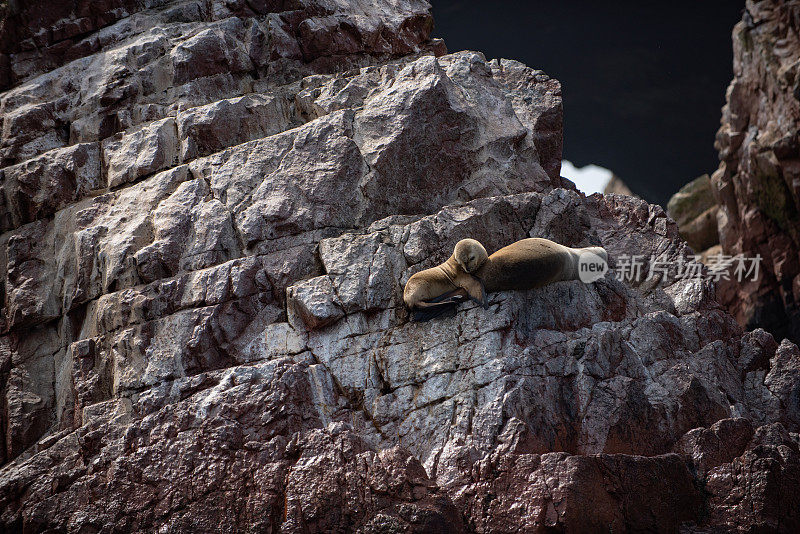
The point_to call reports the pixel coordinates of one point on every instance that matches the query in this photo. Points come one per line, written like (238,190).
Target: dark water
(643,82)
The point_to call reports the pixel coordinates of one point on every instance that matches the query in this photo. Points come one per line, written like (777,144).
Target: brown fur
(528,264)
(434,282)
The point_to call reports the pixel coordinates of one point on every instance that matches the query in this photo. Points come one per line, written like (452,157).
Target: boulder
(695,210)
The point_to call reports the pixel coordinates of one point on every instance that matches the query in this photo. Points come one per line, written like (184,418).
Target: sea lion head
(470,255)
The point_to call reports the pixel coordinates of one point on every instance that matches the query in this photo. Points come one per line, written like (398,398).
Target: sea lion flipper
(421,315)
(485,303)
(456,296)
(476,291)
(435,307)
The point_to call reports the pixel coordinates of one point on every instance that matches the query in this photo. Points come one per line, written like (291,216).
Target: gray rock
(213,127)
(143,151)
(41,186)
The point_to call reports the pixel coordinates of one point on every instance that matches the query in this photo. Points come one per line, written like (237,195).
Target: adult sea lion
(531,263)
(469,272)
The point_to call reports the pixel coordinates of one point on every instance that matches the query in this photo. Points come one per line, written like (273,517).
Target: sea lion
(531,263)
(525,264)
(448,283)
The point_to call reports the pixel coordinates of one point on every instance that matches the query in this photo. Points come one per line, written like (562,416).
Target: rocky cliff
(758,182)
(209,212)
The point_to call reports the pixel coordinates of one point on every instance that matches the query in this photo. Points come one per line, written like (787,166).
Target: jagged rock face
(206,237)
(37,38)
(758,182)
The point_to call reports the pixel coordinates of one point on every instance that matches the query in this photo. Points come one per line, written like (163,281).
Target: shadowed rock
(757,184)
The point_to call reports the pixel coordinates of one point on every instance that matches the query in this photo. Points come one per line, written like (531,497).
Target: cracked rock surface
(209,210)
(757,184)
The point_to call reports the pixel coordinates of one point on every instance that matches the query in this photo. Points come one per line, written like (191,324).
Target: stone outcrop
(209,215)
(617,186)
(695,209)
(757,184)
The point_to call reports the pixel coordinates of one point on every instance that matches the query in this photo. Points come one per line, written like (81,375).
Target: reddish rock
(252,455)
(749,477)
(719,444)
(513,491)
(757,183)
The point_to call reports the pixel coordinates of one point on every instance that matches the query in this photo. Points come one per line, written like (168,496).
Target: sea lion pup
(442,287)
(525,264)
